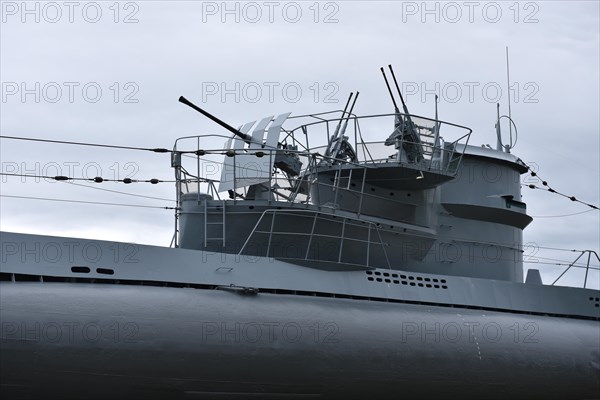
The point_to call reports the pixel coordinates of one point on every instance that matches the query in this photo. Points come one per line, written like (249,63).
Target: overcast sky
(109,72)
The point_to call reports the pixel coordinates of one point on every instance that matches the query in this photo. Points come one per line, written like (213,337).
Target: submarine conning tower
(480,218)
(331,194)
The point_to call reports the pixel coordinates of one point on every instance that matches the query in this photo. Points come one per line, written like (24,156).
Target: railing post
(234,188)
(253,230)
(349,179)
(336,182)
(342,240)
(568,268)
(198,168)
(356,137)
(312,232)
(383,247)
(271,234)
(205,222)
(224,231)
(368,245)
(177,196)
(587,268)
(270,175)
(317,180)
(362,191)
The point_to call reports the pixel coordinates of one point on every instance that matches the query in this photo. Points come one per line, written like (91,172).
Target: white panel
(275,129)
(246,127)
(259,131)
(249,169)
(226,182)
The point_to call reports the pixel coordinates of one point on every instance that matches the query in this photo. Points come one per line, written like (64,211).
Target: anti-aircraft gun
(339,148)
(405,136)
(281,155)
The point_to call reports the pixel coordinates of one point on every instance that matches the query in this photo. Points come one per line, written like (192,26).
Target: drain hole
(105,271)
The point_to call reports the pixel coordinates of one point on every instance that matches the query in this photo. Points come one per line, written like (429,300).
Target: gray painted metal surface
(55,257)
(185,343)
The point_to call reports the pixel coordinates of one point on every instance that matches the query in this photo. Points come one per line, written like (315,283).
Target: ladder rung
(211,211)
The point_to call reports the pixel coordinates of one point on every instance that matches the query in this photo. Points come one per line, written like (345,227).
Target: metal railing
(587,267)
(429,132)
(314,216)
(205,156)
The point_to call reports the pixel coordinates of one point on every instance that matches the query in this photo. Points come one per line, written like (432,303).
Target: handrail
(313,169)
(441,157)
(384,115)
(587,267)
(316,213)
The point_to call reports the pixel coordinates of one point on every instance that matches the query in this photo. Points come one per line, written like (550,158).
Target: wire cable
(561,216)
(118,192)
(111,146)
(564,265)
(86,202)
(548,188)
(97,179)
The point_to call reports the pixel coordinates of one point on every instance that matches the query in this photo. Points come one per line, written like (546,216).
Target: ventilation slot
(435,283)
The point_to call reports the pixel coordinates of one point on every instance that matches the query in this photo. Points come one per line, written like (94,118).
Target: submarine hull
(116,341)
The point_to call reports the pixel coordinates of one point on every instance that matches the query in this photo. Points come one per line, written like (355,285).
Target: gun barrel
(389,90)
(398,89)
(349,115)
(215,119)
(337,129)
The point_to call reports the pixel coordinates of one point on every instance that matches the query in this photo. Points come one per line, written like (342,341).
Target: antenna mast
(508,83)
